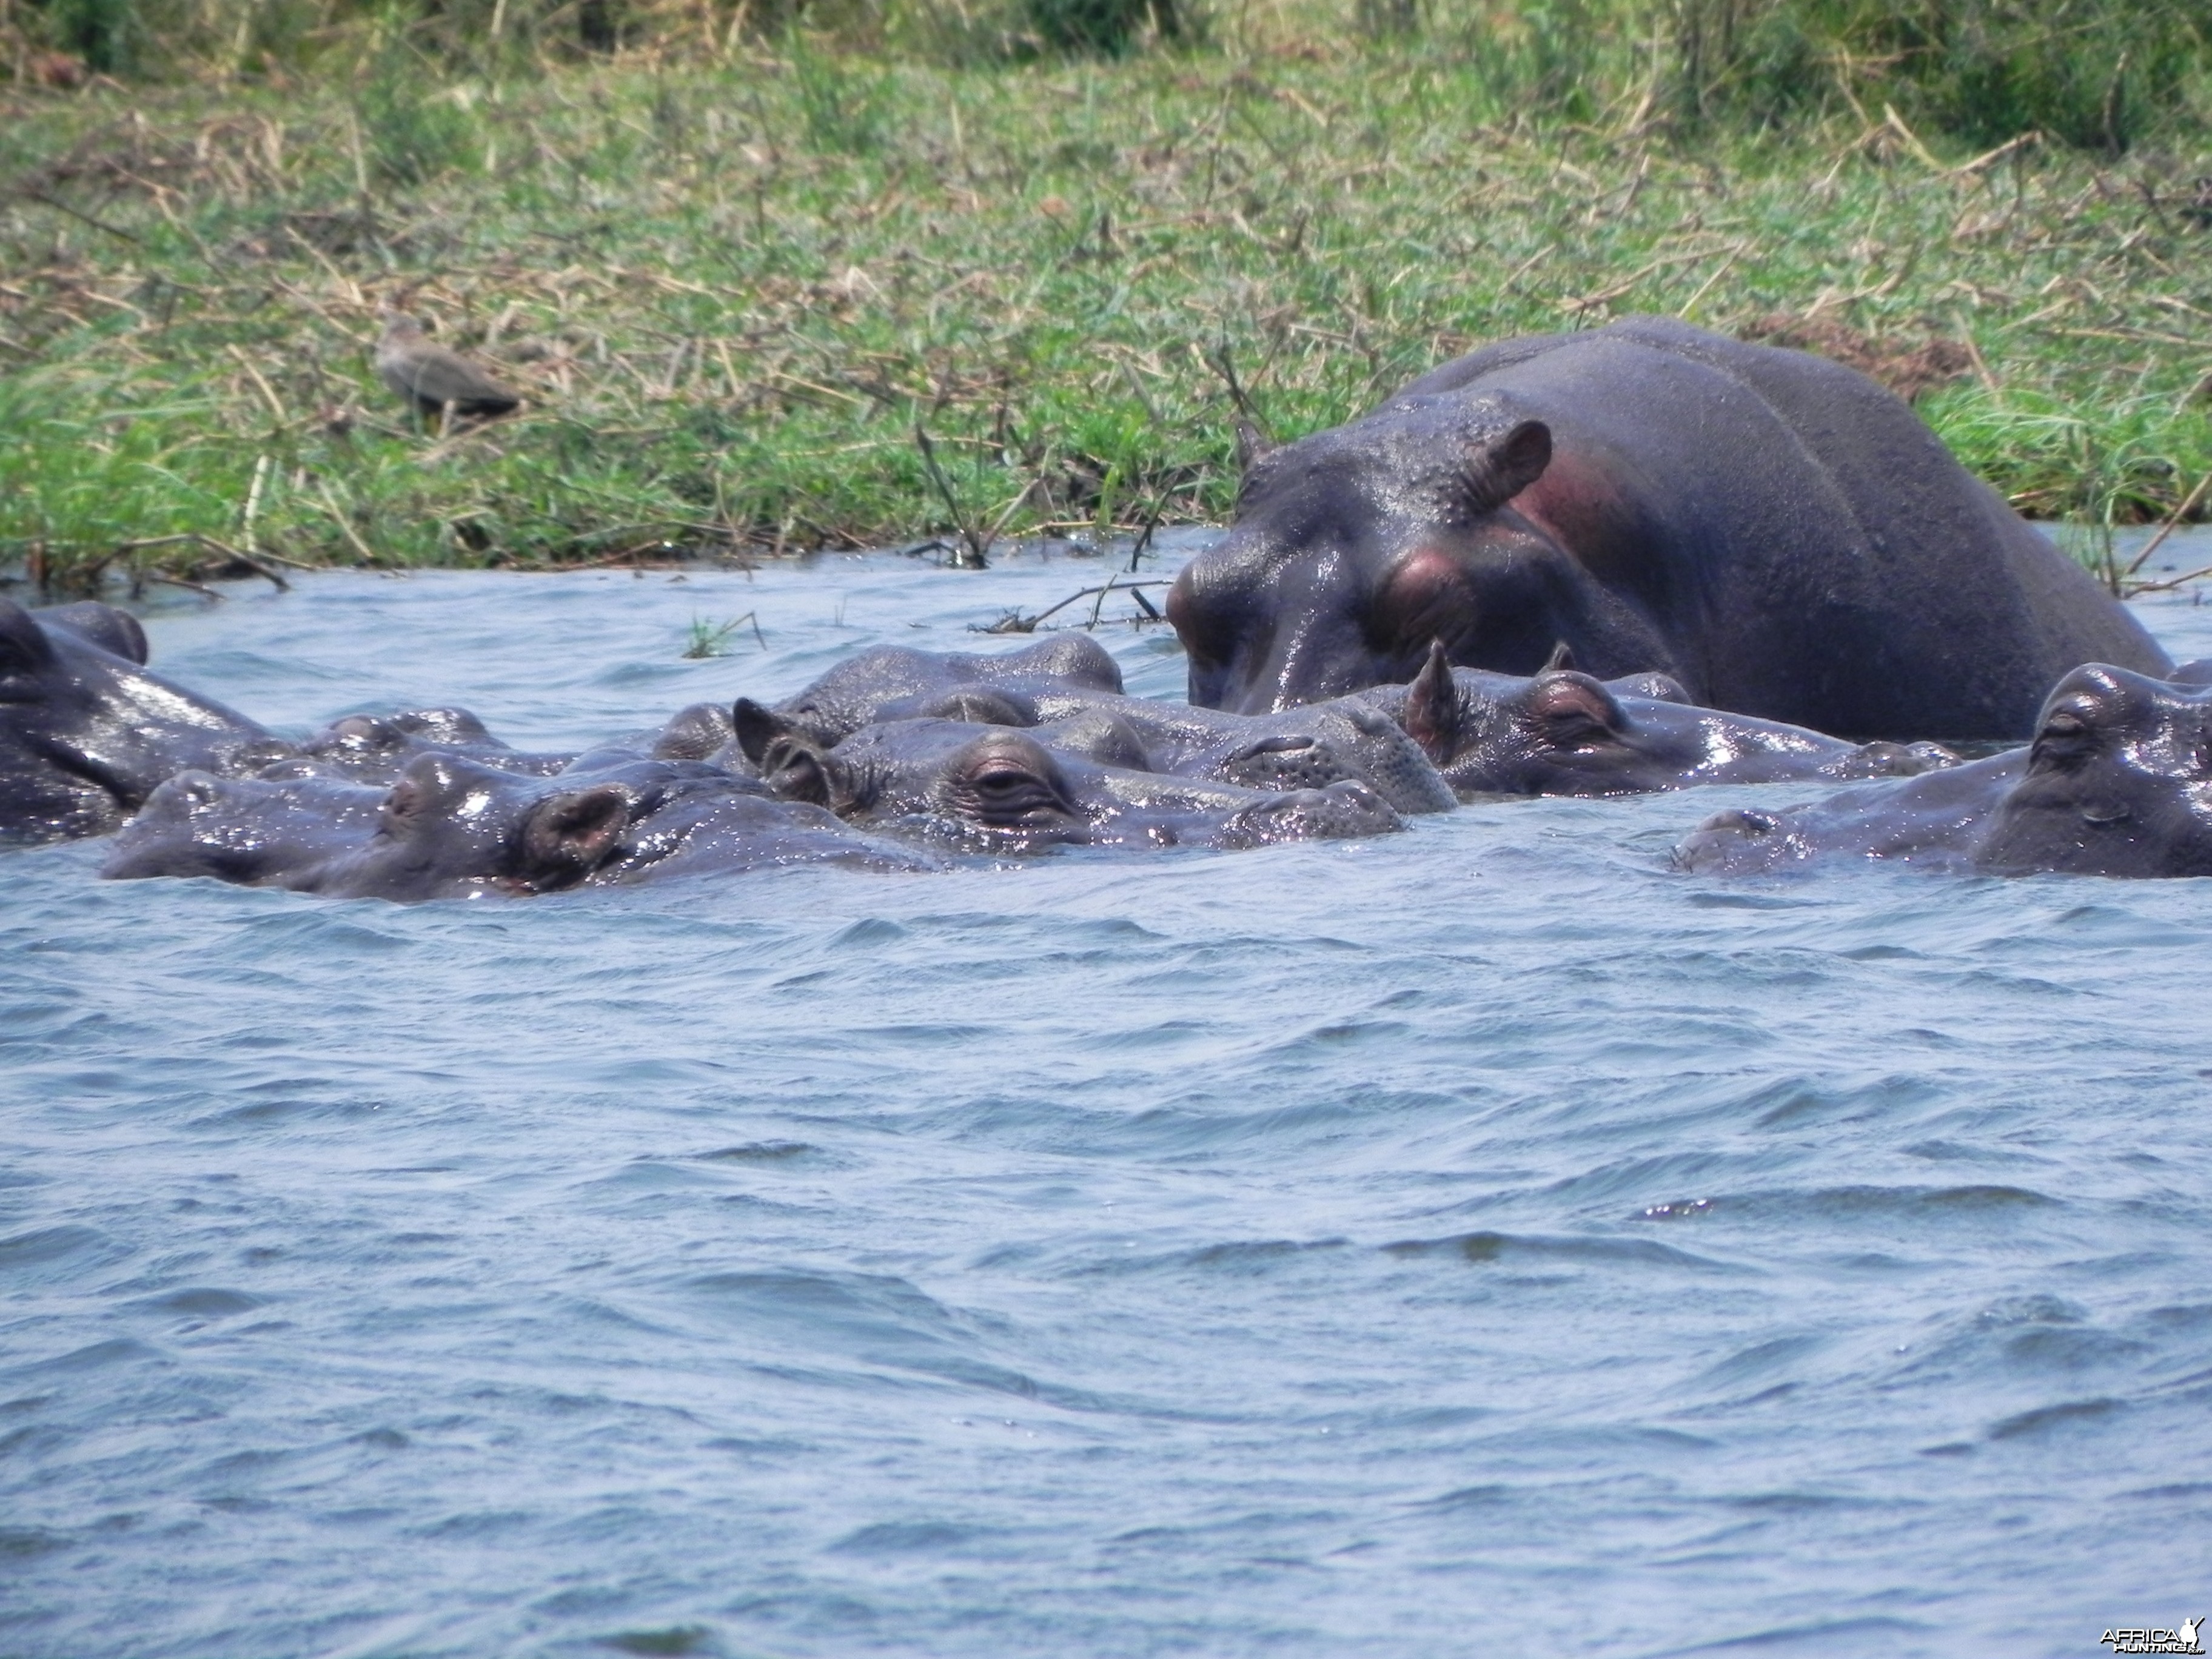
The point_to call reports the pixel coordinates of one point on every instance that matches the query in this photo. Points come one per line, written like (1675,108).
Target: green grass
(735,290)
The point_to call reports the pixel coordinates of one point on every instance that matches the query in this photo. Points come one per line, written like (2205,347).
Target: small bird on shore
(433,379)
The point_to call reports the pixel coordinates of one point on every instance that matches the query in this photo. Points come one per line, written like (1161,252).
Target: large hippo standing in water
(1776,531)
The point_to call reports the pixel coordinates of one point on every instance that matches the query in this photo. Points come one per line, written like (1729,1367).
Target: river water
(1478,1241)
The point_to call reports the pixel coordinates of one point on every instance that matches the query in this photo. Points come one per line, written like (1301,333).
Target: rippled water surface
(1477,1241)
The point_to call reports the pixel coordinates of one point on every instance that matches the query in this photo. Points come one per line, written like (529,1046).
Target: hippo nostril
(1287,743)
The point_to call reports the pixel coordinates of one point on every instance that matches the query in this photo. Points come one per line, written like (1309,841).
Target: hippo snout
(1286,761)
(1344,810)
(1732,841)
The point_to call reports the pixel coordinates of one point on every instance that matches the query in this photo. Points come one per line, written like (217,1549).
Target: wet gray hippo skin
(2117,782)
(993,788)
(377,748)
(1776,532)
(1561,732)
(452,827)
(1306,748)
(87,733)
(248,831)
(890,682)
(1067,693)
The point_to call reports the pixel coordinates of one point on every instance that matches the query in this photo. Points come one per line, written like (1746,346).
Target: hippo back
(1808,545)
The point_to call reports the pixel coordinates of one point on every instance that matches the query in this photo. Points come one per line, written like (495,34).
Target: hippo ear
(1252,445)
(115,632)
(23,644)
(1432,712)
(693,733)
(569,835)
(1562,656)
(1571,708)
(441,725)
(1500,468)
(757,726)
(795,768)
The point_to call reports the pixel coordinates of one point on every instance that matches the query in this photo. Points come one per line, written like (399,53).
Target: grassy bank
(733,292)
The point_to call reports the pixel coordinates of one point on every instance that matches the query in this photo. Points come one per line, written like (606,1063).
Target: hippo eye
(1007,794)
(1572,709)
(2067,734)
(403,805)
(1426,598)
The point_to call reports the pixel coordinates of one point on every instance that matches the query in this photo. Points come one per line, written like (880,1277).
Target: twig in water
(977,547)
(2167,528)
(1014,622)
(2169,584)
(1151,523)
(249,560)
(1100,604)
(204,592)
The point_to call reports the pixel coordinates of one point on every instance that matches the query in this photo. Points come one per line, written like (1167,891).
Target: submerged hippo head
(251,832)
(1314,746)
(2119,783)
(1562,733)
(453,826)
(891,681)
(376,748)
(87,733)
(999,789)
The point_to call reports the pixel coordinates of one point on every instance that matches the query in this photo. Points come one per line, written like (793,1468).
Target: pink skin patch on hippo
(1577,504)
(1424,595)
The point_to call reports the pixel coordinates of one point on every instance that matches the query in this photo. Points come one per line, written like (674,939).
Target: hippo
(890,682)
(251,832)
(1776,532)
(997,789)
(2117,782)
(1303,748)
(377,748)
(1564,732)
(453,827)
(87,733)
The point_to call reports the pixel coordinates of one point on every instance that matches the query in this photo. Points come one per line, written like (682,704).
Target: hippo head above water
(1354,549)
(1562,733)
(377,748)
(1776,531)
(452,827)
(87,733)
(449,827)
(889,682)
(997,789)
(2119,783)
